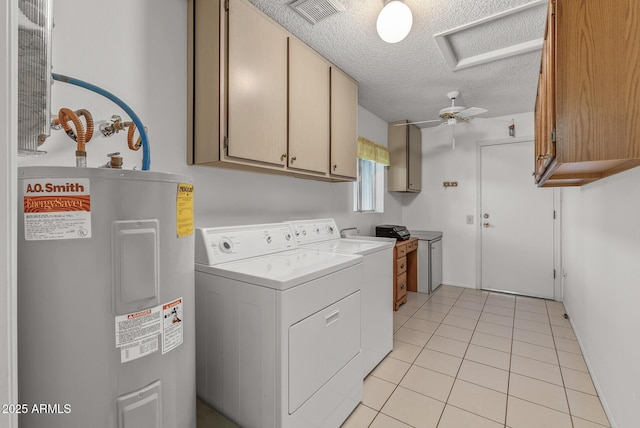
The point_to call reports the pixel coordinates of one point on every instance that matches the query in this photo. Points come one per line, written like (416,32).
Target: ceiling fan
(452,115)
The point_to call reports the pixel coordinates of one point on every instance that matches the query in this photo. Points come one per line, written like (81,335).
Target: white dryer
(277,328)
(376,286)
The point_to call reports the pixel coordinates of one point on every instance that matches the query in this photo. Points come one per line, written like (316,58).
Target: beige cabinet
(204,103)
(308,109)
(405,157)
(260,99)
(344,123)
(257,87)
(588,96)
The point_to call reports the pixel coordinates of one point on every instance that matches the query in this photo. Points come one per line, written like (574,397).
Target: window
(368,191)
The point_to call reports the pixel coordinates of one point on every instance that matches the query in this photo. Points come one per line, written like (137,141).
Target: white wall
(437,208)
(139,54)
(601,254)
(8,150)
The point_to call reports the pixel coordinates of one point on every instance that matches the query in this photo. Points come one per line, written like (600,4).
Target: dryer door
(320,346)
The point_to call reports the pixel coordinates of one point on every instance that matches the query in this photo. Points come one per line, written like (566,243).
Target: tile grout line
(464,355)
(513,328)
(461,362)
(398,384)
(564,386)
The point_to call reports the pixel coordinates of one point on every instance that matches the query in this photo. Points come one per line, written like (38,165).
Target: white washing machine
(377,282)
(277,328)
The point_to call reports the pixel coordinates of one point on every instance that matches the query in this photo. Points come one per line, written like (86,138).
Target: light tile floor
(469,358)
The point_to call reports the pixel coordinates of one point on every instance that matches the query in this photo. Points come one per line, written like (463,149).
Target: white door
(516,223)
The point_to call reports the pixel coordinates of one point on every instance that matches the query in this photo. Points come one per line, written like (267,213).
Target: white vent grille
(317,10)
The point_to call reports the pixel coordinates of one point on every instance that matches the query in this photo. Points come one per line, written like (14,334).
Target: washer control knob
(330,229)
(304,232)
(225,245)
(287,237)
(268,239)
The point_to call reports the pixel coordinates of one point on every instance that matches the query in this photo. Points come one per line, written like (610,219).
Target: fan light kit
(452,115)
(394,21)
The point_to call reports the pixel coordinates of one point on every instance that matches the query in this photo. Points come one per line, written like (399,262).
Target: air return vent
(317,10)
(34,74)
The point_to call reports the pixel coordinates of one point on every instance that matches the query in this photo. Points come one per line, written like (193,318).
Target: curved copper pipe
(89,120)
(65,116)
(132,130)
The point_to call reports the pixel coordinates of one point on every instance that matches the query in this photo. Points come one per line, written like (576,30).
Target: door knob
(485,224)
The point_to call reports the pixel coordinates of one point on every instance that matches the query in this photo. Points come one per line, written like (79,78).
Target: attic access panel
(509,33)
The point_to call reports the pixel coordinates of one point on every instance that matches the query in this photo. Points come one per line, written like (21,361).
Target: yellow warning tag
(184,210)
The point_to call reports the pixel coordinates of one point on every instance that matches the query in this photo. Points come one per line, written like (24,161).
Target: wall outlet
(469,219)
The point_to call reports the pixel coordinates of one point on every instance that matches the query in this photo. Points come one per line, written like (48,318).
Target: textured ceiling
(410,79)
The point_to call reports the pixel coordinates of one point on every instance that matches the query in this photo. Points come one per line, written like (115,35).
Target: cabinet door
(415,159)
(545,111)
(308,109)
(257,86)
(344,118)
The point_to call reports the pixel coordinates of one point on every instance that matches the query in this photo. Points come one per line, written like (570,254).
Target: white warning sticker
(134,327)
(172,325)
(138,349)
(56,208)
(137,333)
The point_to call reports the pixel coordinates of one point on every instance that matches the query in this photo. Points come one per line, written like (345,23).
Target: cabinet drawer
(401,289)
(401,251)
(401,265)
(412,246)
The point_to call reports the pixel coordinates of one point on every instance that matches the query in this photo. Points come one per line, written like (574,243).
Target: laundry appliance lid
(283,270)
(351,246)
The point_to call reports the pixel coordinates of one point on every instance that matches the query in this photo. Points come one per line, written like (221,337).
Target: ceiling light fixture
(394,21)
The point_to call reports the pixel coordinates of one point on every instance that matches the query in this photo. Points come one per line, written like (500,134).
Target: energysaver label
(184,210)
(56,208)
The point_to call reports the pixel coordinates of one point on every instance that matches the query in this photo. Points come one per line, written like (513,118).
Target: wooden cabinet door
(257,87)
(545,110)
(344,119)
(415,159)
(308,109)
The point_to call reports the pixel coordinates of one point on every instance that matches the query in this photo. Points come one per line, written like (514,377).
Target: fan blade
(471,111)
(414,123)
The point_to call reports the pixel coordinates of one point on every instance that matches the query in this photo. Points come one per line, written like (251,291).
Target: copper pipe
(89,120)
(65,116)
(130,134)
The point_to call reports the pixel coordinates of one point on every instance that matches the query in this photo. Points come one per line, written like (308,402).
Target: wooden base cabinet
(405,270)
(588,100)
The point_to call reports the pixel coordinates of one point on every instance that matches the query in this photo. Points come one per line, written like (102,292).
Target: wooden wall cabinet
(405,270)
(588,98)
(405,157)
(261,99)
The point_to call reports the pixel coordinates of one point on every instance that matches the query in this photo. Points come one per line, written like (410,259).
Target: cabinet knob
(401,266)
(283,156)
(293,159)
(541,156)
(335,166)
